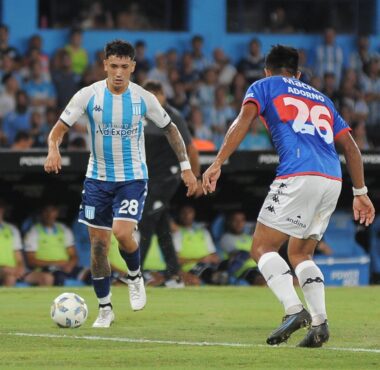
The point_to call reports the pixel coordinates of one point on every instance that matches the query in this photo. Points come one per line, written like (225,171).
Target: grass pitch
(191,328)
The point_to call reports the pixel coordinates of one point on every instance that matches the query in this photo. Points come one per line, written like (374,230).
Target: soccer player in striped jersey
(305,127)
(115,187)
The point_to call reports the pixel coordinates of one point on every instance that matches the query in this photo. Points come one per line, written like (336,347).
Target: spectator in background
(303,66)
(278,22)
(200,62)
(77,53)
(23,141)
(195,249)
(37,133)
(226,71)
(257,138)
(35,52)
(236,244)
(142,62)
(202,135)
(11,260)
(66,82)
(189,75)
(359,134)
(370,86)
(204,93)
(316,82)
(5,48)
(17,120)
(8,94)
(8,66)
(330,87)
(362,55)
(179,100)
(222,116)
(97,67)
(160,73)
(41,92)
(252,65)
(172,58)
(329,56)
(238,89)
(50,251)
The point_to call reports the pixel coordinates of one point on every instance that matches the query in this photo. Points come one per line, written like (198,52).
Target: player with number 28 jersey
(303,124)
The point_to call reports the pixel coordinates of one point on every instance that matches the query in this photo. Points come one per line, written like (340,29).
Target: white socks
(278,276)
(133,273)
(311,281)
(105,300)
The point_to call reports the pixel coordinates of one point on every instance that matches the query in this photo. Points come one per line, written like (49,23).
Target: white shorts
(300,206)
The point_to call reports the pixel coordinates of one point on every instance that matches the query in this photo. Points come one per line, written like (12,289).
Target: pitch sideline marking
(184,343)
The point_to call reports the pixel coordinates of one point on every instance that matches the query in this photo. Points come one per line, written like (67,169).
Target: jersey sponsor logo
(271,209)
(97,108)
(250,95)
(296,222)
(311,280)
(136,109)
(123,132)
(89,212)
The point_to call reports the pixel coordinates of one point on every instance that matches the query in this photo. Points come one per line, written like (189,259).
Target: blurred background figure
(11,259)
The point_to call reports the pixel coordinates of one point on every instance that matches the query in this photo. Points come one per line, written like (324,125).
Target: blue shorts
(105,201)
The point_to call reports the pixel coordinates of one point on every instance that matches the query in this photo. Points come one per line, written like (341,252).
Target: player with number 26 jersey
(303,124)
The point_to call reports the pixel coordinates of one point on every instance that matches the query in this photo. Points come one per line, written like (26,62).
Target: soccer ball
(69,310)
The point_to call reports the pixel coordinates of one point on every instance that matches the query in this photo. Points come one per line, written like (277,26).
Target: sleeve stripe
(60,118)
(253,100)
(341,132)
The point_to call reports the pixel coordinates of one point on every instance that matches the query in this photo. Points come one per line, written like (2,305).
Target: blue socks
(131,259)
(102,287)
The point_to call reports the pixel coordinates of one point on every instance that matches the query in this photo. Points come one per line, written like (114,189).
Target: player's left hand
(210,177)
(364,211)
(190,181)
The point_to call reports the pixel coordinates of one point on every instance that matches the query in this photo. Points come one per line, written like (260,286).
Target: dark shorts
(105,201)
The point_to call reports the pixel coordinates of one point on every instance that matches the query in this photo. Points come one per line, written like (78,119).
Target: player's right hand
(364,211)
(53,162)
(210,177)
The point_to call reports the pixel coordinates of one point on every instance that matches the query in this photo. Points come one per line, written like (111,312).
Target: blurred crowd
(206,89)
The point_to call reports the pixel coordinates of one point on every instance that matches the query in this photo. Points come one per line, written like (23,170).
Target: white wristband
(361,191)
(185,165)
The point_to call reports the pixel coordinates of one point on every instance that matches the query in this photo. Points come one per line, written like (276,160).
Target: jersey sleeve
(76,107)
(256,94)
(340,125)
(155,112)
(31,240)
(17,244)
(69,236)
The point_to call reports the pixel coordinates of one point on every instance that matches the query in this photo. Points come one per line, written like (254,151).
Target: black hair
(119,48)
(282,58)
(22,135)
(153,86)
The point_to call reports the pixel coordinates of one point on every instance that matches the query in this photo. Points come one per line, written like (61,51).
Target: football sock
(132,260)
(279,278)
(311,281)
(102,288)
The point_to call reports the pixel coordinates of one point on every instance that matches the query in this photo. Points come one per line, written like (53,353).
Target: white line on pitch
(184,343)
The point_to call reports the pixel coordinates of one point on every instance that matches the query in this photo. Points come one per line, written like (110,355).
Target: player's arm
(53,160)
(363,208)
(20,266)
(234,136)
(179,148)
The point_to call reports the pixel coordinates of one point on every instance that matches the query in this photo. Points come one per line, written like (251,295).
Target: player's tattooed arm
(100,266)
(176,141)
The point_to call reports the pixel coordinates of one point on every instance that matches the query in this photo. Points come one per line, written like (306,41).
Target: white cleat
(175,282)
(137,295)
(105,318)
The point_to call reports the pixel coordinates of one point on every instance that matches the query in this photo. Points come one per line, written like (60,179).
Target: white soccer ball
(69,310)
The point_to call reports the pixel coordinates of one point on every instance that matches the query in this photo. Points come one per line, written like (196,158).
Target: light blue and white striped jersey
(115,126)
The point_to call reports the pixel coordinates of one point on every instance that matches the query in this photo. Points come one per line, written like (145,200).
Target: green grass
(229,315)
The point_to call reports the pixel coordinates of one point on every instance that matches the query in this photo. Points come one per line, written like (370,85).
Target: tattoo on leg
(100,266)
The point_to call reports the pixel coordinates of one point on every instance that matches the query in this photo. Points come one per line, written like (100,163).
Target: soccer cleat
(290,323)
(316,336)
(175,282)
(105,318)
(137,295)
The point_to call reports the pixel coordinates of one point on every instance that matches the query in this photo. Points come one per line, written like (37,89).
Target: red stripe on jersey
(310,173)
(347,129)
(253,100)
(289,112)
